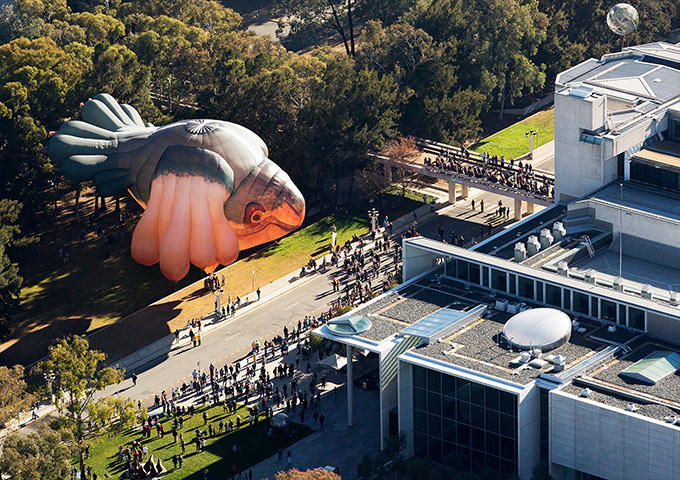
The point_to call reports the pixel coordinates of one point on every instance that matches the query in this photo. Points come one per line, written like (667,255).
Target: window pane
(552,295)
(507,426)
(448,385)
(449,453)
(419,376)
(477,439)
(435,451)
(492,421)
(477,394)
(449,407)
(581,303)
(608,310)
(420,399)
(513,284)
(463,435)
(508,468)
(434,381)
(449,430)
(434,425)
(492,398)
(463,270)
(566,299)
(593,307)
(485,276)
(526,287)
(474,273)
(420,421)
(539,291)
(477,458)
(420,444)
(493,444)
(507,402)
(434,403)
(477,416)
(493,463)
(498,280)
(507,449)
(463,412)
(463,390)
(636,318)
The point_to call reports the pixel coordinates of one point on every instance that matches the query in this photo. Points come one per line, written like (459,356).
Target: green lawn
(252,447)
(512,141)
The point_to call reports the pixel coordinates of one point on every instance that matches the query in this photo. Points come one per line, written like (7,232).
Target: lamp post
(531,134)
(373,215)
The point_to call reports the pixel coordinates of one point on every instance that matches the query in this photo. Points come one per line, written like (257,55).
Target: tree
(10,280)
(72,368)
(117,414)
(44,455)
(13,395)
(316,474)
(332,14)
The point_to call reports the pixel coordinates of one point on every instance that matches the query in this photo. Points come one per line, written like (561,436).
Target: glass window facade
(468,421)
(499,280)
(526,287)
(581,303)
(608,310)
(553,295)
(636,318)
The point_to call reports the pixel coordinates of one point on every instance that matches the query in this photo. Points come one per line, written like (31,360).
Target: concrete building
(612,118)
(558,339)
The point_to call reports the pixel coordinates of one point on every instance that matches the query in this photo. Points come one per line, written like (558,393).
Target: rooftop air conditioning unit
(590,276)
(558,231)
(646,291)
(520,252)
(536,353)
(575,324)
(513,307)
(585,393)
(533,246)
(525,357)
(538,363)
(502,305)
(563,268)
(559,363)
(618,284)
(546,238)
(611,328)
(675,298)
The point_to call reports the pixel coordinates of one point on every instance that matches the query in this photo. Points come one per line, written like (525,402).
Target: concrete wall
(405,393)
(578,165)
(636,223)
(417,261)
(610,442)
(529,430)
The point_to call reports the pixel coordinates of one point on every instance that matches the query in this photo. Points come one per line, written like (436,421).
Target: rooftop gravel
(381,328)
(658,412)
(667,389)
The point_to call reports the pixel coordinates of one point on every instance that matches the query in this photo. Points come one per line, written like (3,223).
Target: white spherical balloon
(623,19)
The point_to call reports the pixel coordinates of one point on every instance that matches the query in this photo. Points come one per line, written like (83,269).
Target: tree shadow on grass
(33,345)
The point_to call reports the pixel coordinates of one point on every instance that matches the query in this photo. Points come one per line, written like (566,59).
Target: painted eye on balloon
(254,213)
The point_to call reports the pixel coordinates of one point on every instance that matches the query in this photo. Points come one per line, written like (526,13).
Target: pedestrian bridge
(460,183)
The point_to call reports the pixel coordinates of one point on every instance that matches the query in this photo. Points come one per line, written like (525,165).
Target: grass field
(253,446)
(512,141)
(101,283)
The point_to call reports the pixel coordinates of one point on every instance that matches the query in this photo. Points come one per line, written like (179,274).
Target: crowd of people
(493,169)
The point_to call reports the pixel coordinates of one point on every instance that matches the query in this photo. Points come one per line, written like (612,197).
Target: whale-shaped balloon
(207,186)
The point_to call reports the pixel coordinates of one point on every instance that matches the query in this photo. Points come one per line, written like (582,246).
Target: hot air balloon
(207,186)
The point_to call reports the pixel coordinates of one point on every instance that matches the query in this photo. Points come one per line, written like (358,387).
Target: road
(231,340)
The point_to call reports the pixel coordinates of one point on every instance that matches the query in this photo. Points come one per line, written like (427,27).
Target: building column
(530,208)
(465,191)
(626,166)
(518,209)
(452,192)
(350,387)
